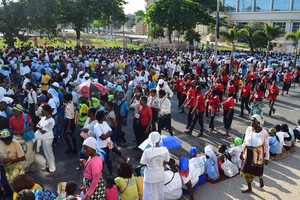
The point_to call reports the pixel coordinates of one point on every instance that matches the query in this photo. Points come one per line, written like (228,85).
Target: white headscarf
(209,150)
(258,118)
(154,138)
(54,96)
(90,142)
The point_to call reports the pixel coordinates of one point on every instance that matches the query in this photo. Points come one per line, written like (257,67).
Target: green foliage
(140,16)
(191,36)
(295,36)
(155,31)
(131,20)
(181,15)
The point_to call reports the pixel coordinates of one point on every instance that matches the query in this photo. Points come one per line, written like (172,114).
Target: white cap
(90,142)
(161,81)
(7,100)
(55,84)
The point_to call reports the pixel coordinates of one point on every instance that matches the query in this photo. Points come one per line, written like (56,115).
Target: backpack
(117,109)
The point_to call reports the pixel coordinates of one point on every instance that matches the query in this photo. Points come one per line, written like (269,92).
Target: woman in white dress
(154,159)
(90,123)
(173,182)
(45,126)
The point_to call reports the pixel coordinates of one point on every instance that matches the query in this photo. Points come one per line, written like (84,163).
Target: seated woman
(211,163)
(235,152)
(274,142)
(187,174)
(24,181)
(173,182)
(126,182)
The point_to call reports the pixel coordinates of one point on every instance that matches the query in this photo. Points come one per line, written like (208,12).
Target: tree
(131,20)
(191,36)
(140,16)
(269,33)
(156,32)
(181,15)
(295,37)
(231,35)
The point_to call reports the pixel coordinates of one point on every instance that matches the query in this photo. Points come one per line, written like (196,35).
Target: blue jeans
(108,159)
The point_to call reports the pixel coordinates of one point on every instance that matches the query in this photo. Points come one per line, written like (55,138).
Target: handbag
(229,168)
(84,135)
(29,135)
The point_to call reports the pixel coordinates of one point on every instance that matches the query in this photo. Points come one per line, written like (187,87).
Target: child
(111,191)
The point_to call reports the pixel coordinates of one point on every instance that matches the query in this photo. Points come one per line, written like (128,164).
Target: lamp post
(217,31)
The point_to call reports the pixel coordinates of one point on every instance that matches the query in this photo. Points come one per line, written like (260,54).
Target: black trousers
(190,116)
(198,117)
(211,121)
(227,120)
(179,97)
(244,102)
(141,135)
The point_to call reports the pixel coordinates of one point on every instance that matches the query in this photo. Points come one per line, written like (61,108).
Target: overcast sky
(134,5)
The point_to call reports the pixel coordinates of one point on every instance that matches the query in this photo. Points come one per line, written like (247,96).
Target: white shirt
(101,129)
(31,97)
(192,176)
(154,102)
(69,111)
(154,158)
(166,88)
(47,125)
(24,70)
(198,164)
(52,104)
(173,190)
(165,106)
(135,105)
(90,125)
(2,93)
(281,136)
(26,80)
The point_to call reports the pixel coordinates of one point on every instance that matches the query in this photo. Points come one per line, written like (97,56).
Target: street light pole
(217,31)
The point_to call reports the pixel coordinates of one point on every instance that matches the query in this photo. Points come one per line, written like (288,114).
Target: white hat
(62,74)
(90,142)
(56,71)
(209,150)
(258,118)
(161,81)
(7,100)
(55,84)
(86,75)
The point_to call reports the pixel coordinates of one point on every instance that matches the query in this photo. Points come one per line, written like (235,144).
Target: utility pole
(217,32)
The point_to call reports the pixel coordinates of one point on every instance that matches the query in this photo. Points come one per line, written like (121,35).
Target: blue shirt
(151,84)
(124,107)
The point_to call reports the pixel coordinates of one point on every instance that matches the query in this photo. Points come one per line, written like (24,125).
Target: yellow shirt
(36,186)
(128,188)
(46,79)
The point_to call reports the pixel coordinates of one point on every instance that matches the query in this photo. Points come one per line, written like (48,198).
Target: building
(282,13)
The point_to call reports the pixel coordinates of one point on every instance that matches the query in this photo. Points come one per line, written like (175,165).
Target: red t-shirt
(224,78)
(258,96)
(145,114)
(180,85)
(254,76)
(273,92)
(287,77)
(214,103)
(264,80)
(201,102)
(228,103)
(231,88)
(17,123)
(245,91)
(191,96)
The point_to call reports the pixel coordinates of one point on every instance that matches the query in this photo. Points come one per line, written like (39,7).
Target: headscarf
(42,98)
(193,151)
(5,133)
(18,107)
(90,142)
(54,96)
(154,138)
(258,118)
(209,150)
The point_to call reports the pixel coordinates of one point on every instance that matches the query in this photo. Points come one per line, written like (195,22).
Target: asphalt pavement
(281,177)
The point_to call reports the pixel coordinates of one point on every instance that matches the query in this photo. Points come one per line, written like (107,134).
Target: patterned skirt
(99,192)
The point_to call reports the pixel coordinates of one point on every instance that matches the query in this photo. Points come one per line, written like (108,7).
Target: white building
(283,13)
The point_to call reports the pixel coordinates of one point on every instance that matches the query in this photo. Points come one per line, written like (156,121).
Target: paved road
(281,180)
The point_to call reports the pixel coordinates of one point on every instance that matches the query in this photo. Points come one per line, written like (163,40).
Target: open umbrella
(91,89)
(170,142)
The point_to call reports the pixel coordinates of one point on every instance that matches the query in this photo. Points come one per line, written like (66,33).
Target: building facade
(282,13)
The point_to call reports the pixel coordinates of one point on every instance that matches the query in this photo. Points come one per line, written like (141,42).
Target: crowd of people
(40,106)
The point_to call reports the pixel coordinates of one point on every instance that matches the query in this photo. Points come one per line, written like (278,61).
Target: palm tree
(231,35)
(270,33)
(295,37)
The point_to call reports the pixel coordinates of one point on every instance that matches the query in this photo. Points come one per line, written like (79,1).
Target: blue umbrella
(170,142)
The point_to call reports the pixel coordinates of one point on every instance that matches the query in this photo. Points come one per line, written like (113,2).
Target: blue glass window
(281,5)
(245,6)
(262,5)
(296,5)
(230,5)
(296,26)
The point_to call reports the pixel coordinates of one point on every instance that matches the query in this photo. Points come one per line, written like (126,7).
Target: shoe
(187,127)
(69,151)
(188,132)
(45,169)
(274,110)
(200,135)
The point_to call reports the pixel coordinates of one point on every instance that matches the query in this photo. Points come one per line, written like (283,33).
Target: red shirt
(200,102)
(264,80)
(236,82)
(254,76)
(224,78)
(219,87)
(180,85)
(231,88)
(145,115)
(245,91)
(214,103)
(228,103)
(273,92)
(17,123)
(287,78)
(258,96)
(191,96)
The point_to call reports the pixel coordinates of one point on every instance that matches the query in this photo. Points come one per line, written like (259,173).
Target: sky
(134,5)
